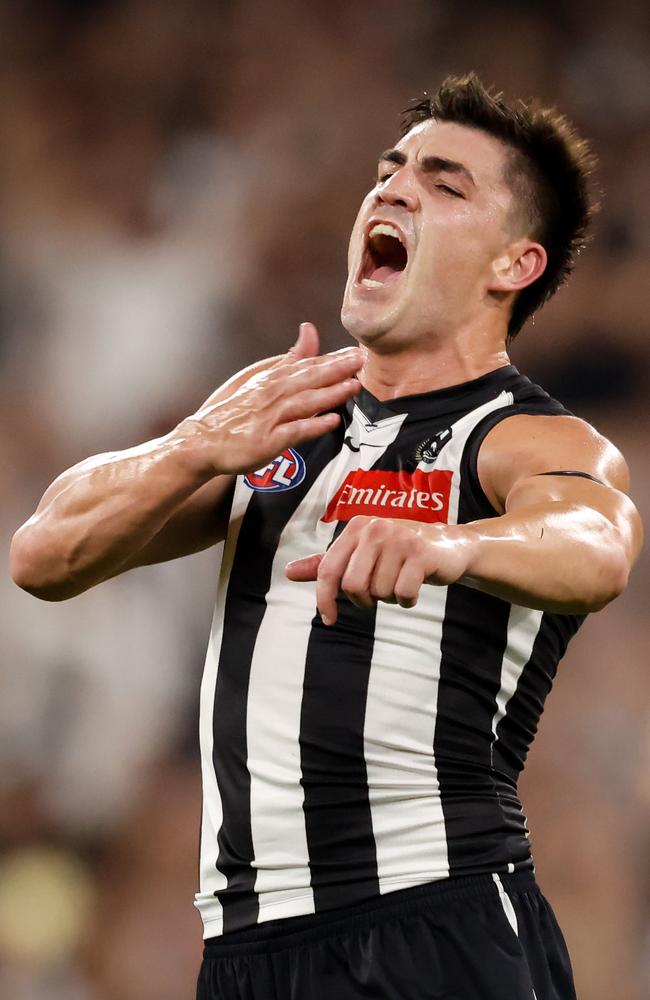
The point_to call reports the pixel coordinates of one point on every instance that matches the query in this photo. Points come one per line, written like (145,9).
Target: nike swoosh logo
(363,444)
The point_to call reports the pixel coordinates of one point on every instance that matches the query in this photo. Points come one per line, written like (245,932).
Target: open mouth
(384,257)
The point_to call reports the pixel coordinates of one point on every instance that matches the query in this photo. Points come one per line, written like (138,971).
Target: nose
(399,189)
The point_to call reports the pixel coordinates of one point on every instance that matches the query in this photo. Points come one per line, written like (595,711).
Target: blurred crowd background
(178,179)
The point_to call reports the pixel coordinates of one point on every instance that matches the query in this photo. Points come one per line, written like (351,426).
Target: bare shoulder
(525,445)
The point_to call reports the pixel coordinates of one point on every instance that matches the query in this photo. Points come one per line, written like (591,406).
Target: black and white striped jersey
(344,762)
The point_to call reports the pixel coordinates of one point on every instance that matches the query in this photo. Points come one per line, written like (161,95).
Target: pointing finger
(330,574)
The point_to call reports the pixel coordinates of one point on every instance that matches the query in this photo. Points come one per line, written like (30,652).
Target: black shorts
(475,938)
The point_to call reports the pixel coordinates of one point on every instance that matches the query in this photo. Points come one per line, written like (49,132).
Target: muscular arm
(562,543)
(116,511)
(169,497)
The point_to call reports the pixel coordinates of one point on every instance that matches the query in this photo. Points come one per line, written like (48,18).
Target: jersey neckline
(450,397)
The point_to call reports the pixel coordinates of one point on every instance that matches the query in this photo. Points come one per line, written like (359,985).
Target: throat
(407,372)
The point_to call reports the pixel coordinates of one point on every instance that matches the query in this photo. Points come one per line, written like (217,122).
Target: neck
(419,368)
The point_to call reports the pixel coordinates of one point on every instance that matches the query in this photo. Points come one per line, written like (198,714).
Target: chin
(365,322)
(363,329)
(384,334)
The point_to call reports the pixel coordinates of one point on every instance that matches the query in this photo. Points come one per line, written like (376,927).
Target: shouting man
(413,533)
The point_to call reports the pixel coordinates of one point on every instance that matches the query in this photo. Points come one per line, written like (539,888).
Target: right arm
(170,497)
(117,511)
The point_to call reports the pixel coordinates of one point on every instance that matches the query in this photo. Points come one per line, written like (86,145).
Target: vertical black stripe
(474,641)
(338,823)
(474,638)
(338,820)
(484,821)
(264,520)
(518,727)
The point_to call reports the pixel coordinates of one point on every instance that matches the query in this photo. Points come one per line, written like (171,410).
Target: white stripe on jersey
(523,626)
(453,451)
(211,880)
(273,720)
(407,818)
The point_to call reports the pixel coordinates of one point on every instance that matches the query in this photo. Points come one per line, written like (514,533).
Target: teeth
(369,283)
(382,229)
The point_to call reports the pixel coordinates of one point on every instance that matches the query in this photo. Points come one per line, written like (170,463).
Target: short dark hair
(549,173)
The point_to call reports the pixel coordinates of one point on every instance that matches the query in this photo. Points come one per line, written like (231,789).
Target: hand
(384,559)
(271,405)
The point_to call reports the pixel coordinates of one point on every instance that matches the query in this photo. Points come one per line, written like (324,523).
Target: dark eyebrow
(437,164)
(393,156)
(430,164)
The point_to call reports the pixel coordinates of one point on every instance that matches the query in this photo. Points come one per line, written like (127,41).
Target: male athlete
(407,553)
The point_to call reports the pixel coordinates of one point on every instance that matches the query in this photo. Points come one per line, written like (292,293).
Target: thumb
(302,570)
(307,344)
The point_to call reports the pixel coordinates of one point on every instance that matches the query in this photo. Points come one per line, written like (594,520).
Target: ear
(518,267)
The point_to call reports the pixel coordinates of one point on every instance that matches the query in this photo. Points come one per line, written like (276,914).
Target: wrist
(455,547)
(469,542)
(191,452)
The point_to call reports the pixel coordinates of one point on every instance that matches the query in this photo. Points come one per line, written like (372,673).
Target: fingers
(409,582)
(305,569)
(330,573)
(358,574)
(299,431)
(312,373)
(372,560)
(307,344)
(382,559)
(312,401)
(305,349)
(272,405)
(384,577)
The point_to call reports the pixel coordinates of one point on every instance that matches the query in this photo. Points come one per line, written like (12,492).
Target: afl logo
(283,473)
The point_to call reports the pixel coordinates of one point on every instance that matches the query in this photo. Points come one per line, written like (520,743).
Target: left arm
(564,543)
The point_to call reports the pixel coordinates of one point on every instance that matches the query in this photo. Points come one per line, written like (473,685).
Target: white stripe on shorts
(506,903)
(508,909)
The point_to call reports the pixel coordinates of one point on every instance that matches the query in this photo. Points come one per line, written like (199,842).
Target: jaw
(368,314)
(370,310)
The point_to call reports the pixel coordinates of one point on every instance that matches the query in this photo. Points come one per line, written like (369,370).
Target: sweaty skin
(563,544)
(168,497)
(556,542)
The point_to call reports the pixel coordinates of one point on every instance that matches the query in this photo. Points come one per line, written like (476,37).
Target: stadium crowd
(177,185)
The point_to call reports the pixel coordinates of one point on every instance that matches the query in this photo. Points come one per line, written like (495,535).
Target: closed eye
(450,190)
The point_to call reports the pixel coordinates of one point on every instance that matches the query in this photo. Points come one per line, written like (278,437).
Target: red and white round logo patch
(283,473)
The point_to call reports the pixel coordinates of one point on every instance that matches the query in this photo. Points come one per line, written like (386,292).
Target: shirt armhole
(474,503)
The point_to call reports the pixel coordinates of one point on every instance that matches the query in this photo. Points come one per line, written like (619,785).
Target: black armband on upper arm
(583,475)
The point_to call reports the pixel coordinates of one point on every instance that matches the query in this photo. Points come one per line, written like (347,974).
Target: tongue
(385,274)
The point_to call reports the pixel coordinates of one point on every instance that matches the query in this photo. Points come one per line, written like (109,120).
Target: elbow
(621,576)
(30,569)
(614,577)
(21,562)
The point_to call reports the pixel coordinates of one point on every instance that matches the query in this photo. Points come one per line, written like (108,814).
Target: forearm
(95,516)
(552,556)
